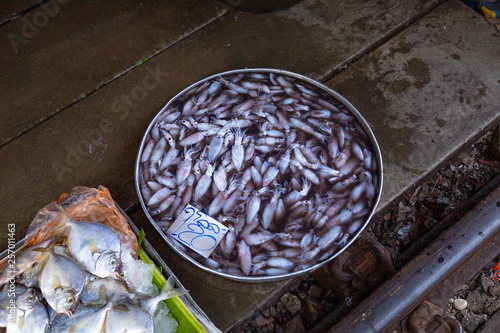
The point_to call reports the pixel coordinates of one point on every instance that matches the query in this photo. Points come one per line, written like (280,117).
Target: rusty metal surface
(428,318)
(367,264)
(441,295)
(404,291)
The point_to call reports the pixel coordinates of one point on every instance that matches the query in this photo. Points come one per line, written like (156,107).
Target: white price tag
(197,230)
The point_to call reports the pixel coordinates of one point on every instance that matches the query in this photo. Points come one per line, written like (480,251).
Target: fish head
(108,265)
(65,301)
(27,300)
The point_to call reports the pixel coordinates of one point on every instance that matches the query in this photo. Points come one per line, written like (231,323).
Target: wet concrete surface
(60,53)
(55,156)
(424,91)
(58,59)
(11,9)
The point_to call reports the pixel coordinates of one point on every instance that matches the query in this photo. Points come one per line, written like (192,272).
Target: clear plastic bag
(81,204)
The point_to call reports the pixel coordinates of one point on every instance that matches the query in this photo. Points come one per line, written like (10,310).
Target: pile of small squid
(285,166)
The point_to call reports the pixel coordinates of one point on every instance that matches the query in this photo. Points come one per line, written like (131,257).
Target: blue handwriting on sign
(199,233)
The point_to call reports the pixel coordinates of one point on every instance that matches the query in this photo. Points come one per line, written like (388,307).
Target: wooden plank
(56,55)
(11,9)
(427,91)
(54,156)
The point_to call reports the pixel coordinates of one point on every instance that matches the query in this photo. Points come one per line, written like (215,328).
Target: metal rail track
(475,236)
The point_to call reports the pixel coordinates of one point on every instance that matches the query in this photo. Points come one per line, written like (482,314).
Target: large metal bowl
(335,95)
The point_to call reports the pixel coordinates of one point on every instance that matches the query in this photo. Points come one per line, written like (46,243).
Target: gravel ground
(478,302)
(430,203)
(347,280)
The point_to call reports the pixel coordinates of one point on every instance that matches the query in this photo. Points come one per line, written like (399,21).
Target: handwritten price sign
(197,230)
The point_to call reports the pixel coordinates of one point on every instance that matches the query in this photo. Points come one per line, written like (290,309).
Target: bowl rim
(313,82)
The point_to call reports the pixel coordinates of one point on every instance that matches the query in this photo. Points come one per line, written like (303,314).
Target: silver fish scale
(84,320)
(88,241)
(296,140)
(31,316)
(128,318)
(61,278)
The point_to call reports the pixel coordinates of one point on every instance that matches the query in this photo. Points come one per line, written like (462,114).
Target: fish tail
(63,221)
(49,248)
(169,285)
(168,290)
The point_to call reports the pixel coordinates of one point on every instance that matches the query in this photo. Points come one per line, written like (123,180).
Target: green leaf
(187,321)
(142,234)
